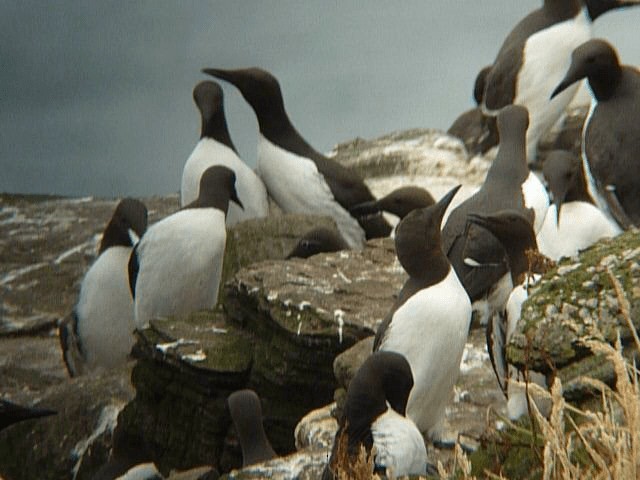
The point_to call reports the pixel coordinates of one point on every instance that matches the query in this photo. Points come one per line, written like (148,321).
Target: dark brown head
(399,202)
(217,188)
(318,240)
(208,97)
(563,173)
(130,216)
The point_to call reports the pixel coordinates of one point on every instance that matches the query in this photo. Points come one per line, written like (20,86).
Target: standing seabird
(430,320)
(573,222)
(535,56)
(176,267)
(216,148)
(11,413)
(318,240)
(300,179)
(246,413)
(611,133)
(374,418)
(516,234)
(477,256)
(99,331)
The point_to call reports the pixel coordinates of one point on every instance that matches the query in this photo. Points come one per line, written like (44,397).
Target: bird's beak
(442,204)
(234,197)
(573,75)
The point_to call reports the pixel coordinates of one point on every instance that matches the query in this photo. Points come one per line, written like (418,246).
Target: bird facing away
(298,178)
(318,240)
(176,267)
(526,266)
(11,413)
(99,330)
(430,320)
(374,418)
(534,58)
(216,148)
(573,222)
(476,255)
(246,413)
(611,133)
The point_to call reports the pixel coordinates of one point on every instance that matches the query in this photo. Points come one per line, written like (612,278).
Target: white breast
(430,330)
(547,57)
(536,198)
(105,310)
(297,187)
(399,445)
(180,262)
(251,190)
(581,225)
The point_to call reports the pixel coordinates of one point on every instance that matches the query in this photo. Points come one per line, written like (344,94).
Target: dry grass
(578,444)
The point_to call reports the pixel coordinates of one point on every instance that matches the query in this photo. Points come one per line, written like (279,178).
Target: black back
(318,240)
(500,85)
(565,178)
(383,377)
(246,413)
(612,136)
(11,413)
(130,214)
(262,91)
(419,250)
(501,190)
(208,97)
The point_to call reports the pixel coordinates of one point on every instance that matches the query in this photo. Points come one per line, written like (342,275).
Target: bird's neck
(216,128)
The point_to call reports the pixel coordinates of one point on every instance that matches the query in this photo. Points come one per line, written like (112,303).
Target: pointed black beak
(442,204)
(234,197)
(573,75)
(365,208)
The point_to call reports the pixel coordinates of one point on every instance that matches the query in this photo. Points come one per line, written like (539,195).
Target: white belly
(536,198)
(105,310)
(251,190)
(547,57)
(430,330)
(581,225)
(399,445)
(297,187)
(180,262)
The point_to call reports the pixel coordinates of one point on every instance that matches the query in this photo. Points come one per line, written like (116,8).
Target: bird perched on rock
(176,267)
(246,413)
(477,256)
(430,320)
(516,234)
(11,413)
(611,134)
(573,222)
(297,177)
(318,240)
(478,131)
(374,418)
(534,57)
(99,331)
(216,148)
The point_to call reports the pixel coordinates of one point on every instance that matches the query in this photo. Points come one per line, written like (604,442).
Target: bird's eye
(305,244)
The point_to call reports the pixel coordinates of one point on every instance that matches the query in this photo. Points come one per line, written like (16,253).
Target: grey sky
(95,97)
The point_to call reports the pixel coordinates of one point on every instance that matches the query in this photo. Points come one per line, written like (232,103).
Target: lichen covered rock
(575,303)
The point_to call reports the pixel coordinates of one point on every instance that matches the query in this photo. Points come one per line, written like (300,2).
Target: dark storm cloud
(96,96)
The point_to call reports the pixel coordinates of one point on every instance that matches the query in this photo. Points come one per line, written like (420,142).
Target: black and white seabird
(246,413)
(430,320)
(216,148)
(477,256)
(478,131)
(374,417)
(573,222)
(534,57)
(318,240)
(516,234)
(11,413)
(130,459)
(176,267)
(99,331)
(298,178)
(611,133)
